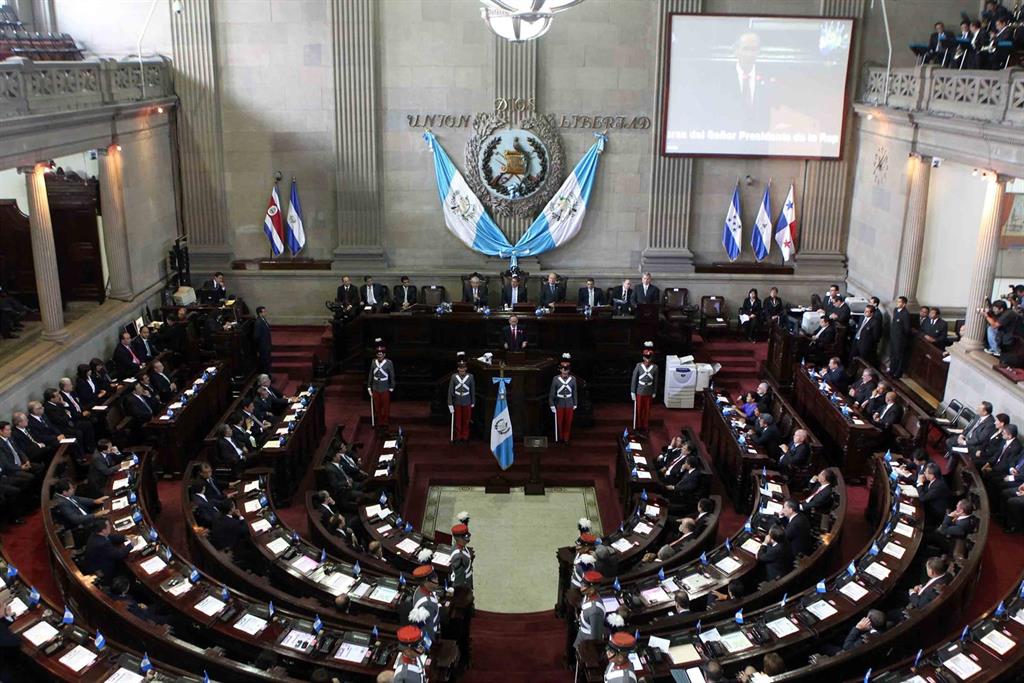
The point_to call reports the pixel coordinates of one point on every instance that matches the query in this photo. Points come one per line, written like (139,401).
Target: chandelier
(520,20)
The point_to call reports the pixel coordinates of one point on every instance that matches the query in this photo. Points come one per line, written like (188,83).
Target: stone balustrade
(28,87)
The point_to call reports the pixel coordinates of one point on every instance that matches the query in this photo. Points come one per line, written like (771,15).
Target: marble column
(200,137)
(44,255)
(115,229)
(669,210)
(920,170)
(354,25)
(983,272)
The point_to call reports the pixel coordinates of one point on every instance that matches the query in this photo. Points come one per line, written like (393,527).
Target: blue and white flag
(99,641)
(318,625)
(295,233)
(145,665)
(501,427)
(68,617)
(761,238)
(732,232)
(562,217)
(785,227)
(463,213)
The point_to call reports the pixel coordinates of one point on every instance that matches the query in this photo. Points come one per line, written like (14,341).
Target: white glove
(451,409)
(369,391)
(632,396)
(554,410)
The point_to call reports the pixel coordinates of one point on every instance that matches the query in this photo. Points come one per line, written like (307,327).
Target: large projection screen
(756,86)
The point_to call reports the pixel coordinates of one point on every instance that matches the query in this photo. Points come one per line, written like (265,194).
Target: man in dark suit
(835,375)
(940,45)
(798,528)
(862,389)
(687,479)
(821,498)
(126,362)
(955,525)
(865,341)
(350,464)
(775,556)
(647,292)
(934,495)
(143,347)
(474,292)
(342,488)
(105,553)
(552,291)
(839,312)
(745,86)
(977,432)
(216,288)
(890,414)
(405,294)
(705,508)
(229,452)
(797,453)
(15,465)
(105,463)
(213,491)
(61,418)
(999,54)
(1006,464)
(874,622)
(514,335)
(78,409)
(514,293)
(228,529)
(278,402)
(990,451)
(623,297)
(261,334)
(589,295)
(767,436)
(822,340)
(40,428)
(34,449)
(161,382)
(347,297)
(899,337)
(935,328)
(203,508)
(937,569)
(137,405)
(77,512)
(324,504)
(374,296)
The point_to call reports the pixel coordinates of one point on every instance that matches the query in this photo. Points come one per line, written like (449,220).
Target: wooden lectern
(527,393)
(783,346)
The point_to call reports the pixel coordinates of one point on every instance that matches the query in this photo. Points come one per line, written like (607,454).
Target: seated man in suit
(40,427)
(823,339)
(766,435)
(324,504)
(977,432)
(254,424)
(705,508)
(60,416)
(910,472)
(120,592)
(126,361)
(26,443)
(937,569)
(821,499)
(956,524)
(647,292)
(686,479)
(105,463)
(105,553)
(1006,467)
(374,296)
(798,528)
(940,45)
(797,453)
(861,390)
(514,293)
(263,405)
(229,453)
(764,397)
(876,401)
(79,410)
(514,335)
(775,556)
(835,375)
(77,512)
(138,406)
(589,295)
(874,622)
(935,328)
(161,382)
(215,491)
(229,528)
(204,509)
(278,401)
(474,292)
(143,346)
(934,495)
(350,463)
(340,485)
(216,289)
(241,432)
(405,294)
(687,534)
(552,291)
(890,414)
(338,525)
(150,393)
(624,297)
(15,465)
(347,297)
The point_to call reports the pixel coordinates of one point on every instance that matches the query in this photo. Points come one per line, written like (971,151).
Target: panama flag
(761,239)
(562,218)
(463,213)
(272,223)
(785,227)
(732,233)
(296,233)
(501,427)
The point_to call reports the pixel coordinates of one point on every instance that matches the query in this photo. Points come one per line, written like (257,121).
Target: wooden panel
(74,202)
(17,271)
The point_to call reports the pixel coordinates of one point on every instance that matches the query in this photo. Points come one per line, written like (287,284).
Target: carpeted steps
(517,648)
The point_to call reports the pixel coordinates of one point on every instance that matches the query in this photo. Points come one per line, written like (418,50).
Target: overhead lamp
(518,21)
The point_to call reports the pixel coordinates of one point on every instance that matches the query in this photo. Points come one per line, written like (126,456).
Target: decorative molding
(515,76)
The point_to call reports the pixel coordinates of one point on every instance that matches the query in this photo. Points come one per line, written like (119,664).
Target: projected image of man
(752,91)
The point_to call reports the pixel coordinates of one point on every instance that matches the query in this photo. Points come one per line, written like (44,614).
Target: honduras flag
(785,227)
(562,217)
(296,233)
(761,239)
(732,232)
(272,223)
(463,213)
(501,427)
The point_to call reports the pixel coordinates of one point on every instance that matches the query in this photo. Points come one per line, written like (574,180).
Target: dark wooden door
(74,203)
(17,271)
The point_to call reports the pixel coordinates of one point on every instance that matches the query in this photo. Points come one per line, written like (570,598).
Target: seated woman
(750,315)
(749,405)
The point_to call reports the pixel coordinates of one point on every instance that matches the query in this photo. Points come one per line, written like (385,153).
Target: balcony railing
(993,96)
(28,87)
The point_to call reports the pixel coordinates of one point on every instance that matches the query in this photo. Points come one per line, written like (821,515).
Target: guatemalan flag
(761,239)
(296,233)
(501,427)
(463,213)
(272,223)
(785,227)
(562,218)
(732,232)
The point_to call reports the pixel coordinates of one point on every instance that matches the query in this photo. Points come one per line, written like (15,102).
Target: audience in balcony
(988,42)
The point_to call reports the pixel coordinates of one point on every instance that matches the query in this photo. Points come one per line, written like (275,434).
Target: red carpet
(507,647)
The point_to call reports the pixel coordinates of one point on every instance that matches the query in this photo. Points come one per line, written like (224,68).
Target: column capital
(29,170)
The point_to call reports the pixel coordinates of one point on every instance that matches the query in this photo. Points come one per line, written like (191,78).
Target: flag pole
(554,414)
(373,413)
(291,254)
(451,432)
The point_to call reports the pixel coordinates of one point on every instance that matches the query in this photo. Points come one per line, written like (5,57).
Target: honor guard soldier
(380,384)
(643,387)
(426,606)
(461,399)
(563,399)
(462,560)
(584,553)
(411,665)
(620,669)
(592,610)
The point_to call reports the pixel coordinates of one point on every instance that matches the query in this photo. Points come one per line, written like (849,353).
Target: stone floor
(515,537)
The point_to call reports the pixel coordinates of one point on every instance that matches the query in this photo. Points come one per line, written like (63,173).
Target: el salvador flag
(463,213)
(501,427)
(296,234)
(732,232)
(761,238)
(562,217)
